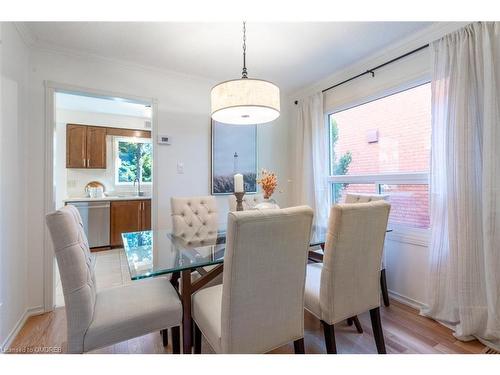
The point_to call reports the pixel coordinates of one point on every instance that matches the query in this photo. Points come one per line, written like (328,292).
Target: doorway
(103,163)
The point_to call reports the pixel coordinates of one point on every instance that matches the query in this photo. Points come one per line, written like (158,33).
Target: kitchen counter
(107,199)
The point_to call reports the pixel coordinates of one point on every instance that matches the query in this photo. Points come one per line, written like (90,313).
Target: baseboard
(20,323)
(406,300)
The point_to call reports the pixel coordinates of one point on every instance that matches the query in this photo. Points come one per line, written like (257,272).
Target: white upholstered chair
(347,282)
(195,220)
(97,319)
(249,201)
(260,304)
(364,198)
(194,217)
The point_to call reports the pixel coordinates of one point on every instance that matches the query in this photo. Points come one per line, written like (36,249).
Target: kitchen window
(383,147)
(133,160)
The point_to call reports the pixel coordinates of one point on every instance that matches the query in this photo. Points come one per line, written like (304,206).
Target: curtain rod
(372,70)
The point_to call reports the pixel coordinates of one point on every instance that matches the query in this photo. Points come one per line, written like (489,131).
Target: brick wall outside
(403,123)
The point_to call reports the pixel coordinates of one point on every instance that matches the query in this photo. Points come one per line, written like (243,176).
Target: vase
(266,204)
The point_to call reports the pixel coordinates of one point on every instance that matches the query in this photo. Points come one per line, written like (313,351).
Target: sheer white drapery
(464,282)
(311,158)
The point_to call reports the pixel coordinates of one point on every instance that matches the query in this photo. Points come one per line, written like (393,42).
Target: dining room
(293,201)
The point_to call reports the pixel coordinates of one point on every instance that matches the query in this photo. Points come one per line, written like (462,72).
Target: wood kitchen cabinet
(76,146)
(96,147)
(129,216)
(85,146)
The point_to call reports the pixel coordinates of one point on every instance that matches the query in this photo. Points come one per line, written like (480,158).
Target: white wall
(13,228)
(183,113)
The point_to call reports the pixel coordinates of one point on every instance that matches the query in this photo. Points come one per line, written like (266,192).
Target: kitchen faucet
(138,176)
(139,192)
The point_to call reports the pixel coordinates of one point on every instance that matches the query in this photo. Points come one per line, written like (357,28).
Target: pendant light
(245,101)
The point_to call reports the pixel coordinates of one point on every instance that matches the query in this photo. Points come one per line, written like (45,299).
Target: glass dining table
(158,252)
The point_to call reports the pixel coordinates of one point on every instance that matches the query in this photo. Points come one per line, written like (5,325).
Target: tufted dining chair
(195,220)
(260,304)
(346,283)
(249,201)
(364,198)
(97,319)
(194,217)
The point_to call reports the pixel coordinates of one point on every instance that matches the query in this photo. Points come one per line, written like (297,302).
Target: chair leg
(176,340)
(357,324)
(383,287)
(349,322)
(377,330)
(298,346)
(197,339)
(164,336)
(331,347)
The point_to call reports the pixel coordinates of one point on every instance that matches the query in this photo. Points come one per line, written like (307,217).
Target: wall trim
(25,33)
(32,311)
(49,48)
(51,88)
(406,300)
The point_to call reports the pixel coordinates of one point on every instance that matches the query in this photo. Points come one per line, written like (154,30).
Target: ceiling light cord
(244,71)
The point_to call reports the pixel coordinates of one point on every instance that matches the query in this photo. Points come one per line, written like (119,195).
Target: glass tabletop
(158,252)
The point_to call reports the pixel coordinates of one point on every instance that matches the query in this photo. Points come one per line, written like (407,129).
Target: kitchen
(103,166)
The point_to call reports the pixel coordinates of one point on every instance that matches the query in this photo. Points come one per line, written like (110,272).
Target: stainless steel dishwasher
(95,216)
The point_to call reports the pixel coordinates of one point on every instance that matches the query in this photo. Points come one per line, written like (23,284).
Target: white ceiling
(292,55)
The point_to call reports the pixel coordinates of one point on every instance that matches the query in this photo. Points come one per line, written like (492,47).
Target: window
(133,158)
(383,147)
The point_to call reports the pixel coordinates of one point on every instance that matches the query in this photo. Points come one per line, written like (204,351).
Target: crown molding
(422,37)
(25,33)
(49,48)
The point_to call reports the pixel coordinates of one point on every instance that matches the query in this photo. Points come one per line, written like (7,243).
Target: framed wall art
(234,150)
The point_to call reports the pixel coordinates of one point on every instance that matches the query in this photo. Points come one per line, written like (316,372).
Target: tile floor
(111,269)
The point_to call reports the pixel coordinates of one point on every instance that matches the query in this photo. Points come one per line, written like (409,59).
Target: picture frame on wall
(234,150)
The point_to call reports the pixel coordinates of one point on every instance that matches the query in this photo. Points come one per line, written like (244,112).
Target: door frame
(51,88)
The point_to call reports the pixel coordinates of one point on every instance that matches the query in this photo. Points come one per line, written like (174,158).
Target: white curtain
(464,283)
(311,158)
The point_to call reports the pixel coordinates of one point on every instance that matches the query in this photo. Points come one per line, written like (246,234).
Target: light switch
(180,168)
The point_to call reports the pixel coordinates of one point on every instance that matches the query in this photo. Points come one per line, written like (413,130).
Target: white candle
(238,183)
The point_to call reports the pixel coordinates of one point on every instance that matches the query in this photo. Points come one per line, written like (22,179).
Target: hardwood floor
(405,332)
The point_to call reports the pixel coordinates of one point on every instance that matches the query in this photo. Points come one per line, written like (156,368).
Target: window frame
(116,156)
(417,236)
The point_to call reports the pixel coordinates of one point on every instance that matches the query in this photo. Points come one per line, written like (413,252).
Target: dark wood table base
(186,291)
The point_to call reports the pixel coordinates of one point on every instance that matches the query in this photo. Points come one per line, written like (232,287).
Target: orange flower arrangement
(268,181)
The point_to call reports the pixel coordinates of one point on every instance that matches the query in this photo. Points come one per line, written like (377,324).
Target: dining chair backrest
(263,279)
(194,217)
(76,267)
(364,198)
(351,263)
(249,201)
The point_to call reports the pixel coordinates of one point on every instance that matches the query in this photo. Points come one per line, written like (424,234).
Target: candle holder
(239,201)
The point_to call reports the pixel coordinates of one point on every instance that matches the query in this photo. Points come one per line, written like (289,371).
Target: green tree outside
(340,165)
(133,156)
